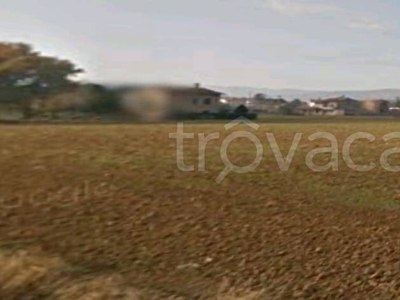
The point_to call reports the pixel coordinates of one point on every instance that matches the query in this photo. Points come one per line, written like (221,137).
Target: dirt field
(110,204)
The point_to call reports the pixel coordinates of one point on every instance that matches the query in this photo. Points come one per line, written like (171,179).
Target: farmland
(108,201)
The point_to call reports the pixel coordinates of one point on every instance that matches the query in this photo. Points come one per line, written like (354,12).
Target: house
(341,106)
(151,102)
(300,108)
(269,105)
(375,107)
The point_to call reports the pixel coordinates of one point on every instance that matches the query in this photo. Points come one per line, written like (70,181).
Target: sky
(305,44)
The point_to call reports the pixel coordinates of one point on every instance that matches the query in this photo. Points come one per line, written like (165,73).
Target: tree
(290,108)
(397,102)
(100,99)
(296,102)
(260,96)
(241,110)
(26,75)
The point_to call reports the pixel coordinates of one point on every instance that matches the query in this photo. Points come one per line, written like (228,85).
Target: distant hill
(290,94)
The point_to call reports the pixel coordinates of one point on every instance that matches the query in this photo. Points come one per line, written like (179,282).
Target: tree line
(36,83)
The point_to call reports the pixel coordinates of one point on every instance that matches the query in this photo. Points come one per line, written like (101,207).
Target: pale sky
(307,44)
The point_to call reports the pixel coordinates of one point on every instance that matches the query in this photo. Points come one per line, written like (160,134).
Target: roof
(174,89)
(196,90)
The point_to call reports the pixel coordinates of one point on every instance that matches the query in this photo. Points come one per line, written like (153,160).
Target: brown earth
(109,201)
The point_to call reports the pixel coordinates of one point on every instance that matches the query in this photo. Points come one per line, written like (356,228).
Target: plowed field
(109,200)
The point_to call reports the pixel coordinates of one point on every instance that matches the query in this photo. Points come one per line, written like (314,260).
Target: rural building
(375,107)
(269,105)
(341,106)
(168,102)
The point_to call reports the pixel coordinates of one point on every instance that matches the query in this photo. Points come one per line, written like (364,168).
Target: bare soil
(109,201)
